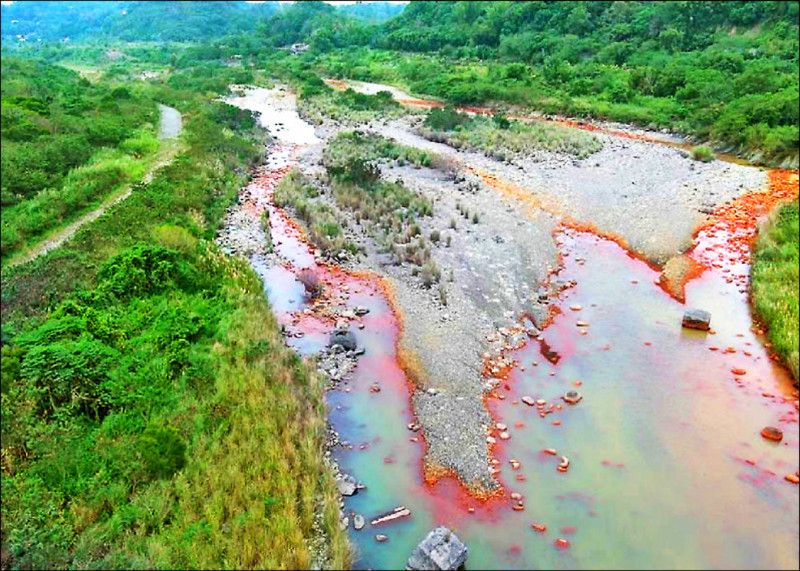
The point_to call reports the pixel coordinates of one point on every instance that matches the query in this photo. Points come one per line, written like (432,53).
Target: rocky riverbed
(495,271)
(500,289)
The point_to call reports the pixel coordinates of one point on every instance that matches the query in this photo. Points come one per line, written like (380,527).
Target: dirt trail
(169,129)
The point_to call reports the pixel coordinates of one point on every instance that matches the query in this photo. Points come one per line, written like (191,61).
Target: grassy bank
(775,282)
(66,145)
(83,189)
(152,417)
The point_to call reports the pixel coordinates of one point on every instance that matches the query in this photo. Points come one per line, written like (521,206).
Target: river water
(666,465)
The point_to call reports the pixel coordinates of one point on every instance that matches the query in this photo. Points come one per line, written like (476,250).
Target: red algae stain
(724,242)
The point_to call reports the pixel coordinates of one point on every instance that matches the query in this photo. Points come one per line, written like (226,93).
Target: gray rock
(697,319)
(358,522)
(441,549)
(343,338)
(347,485)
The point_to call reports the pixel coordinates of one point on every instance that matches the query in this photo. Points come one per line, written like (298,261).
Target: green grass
(83,189)
(501,137)
(703,154)
(348,106)
(775,282)
(151,415)
(321,222)
(387,211)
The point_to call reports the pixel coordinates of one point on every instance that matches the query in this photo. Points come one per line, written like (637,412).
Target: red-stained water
(662,462)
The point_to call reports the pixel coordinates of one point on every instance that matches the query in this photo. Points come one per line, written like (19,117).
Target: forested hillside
(33,22)
(726,71)
(130,21)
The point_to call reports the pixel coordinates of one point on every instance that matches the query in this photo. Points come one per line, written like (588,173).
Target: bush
(446,119)
(141,270)
(703,154)
(162,452)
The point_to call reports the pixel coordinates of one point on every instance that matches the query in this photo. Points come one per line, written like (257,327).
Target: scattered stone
(516,496)
(793,478)
(572,397)
(396,513)
(772,433)
(738,371)
(696,319)
(504,435)
(550,451)
(344,338)
(539,527)
(347,485)
(358,522)
(375,388)
(528,400)
(413,426)
(380,538)
(575,307)
(361,310)
(440,550)
(561,543)
(431,391)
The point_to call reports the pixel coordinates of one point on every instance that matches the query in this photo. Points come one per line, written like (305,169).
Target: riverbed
(666,466)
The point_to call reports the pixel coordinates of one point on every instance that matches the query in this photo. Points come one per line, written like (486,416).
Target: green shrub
(446,119)
(141,270)
(162,450)
(703,154)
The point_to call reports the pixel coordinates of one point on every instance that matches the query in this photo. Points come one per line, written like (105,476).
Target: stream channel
(667,468)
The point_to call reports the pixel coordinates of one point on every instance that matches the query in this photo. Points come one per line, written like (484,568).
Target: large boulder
(697,319)
(344,338)
(440,550)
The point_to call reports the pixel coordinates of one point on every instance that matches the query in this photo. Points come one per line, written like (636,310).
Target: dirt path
(169,129)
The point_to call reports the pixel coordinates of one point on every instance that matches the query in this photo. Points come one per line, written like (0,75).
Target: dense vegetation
(775,274)
(153,21)
(66,144)
(151,416)
(130,21)
(724,72)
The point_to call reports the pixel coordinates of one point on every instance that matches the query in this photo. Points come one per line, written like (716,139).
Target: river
(666,464)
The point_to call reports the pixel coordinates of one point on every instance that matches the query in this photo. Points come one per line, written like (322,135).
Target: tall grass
(775,282)
(83,188)
(321,223)
(500,136)
(170,347)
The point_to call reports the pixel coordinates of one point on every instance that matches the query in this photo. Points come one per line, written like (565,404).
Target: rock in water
(697,319)
(347,485)
(343,338)
(358,522)
(441,549)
